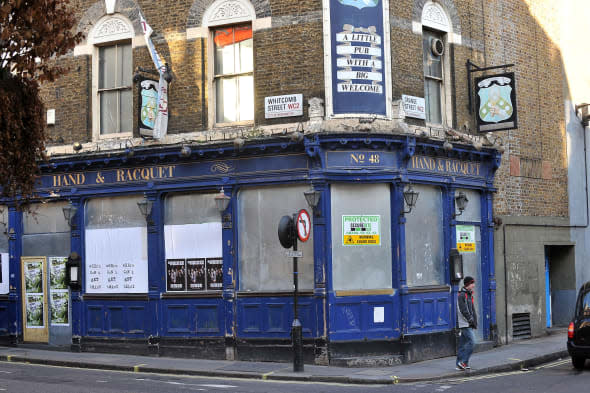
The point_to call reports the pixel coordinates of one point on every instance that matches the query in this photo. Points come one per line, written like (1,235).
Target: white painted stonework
(435,17)
(229,12)
(112,29)
(110,6)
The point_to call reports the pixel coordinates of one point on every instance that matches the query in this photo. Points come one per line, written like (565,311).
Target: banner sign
(496,102)
(161,124)
(466,238)
(4,287)
(359,56)
(361,230)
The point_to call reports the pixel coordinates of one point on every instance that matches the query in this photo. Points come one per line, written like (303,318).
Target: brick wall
(289,58)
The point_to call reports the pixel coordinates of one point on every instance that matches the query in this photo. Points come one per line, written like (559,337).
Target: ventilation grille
(521,325)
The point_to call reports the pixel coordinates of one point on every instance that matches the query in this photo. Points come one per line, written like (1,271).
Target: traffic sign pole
(296,328)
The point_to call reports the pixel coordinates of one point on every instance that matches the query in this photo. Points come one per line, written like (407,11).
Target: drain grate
(521,325)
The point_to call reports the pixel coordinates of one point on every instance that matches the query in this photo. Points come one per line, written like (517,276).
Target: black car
(578,332)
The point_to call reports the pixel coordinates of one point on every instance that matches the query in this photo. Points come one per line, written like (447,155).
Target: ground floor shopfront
(188,279)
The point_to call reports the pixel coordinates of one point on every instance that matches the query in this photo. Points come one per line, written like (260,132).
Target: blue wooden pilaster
(15,230)
(76,246)
(321,243)
(229,242)
(155,265)
(488,254)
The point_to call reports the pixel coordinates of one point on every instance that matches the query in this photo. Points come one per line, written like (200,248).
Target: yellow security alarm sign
(361,230)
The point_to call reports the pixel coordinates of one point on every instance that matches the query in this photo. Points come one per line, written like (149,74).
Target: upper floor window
(231,71)
(433,51)
(115,88)
(435,36)
(233,74)
(112,74)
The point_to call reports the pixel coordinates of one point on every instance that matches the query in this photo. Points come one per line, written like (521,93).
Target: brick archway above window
(97,11)
(229,11)
(437,13)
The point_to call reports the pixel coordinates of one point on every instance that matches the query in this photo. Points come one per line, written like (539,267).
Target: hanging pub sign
(148,107)
(496,102)
(358,47)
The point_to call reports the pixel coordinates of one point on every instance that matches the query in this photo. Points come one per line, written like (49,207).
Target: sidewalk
(520,354)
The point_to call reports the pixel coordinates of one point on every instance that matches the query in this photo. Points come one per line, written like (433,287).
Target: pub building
(185,276)
(171,249)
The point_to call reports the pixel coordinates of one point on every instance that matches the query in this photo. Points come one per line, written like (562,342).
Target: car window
(585,306)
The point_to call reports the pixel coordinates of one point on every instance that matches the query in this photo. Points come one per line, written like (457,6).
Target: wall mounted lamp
(312,196)
(70,211)
(410,197)
(222,202)
(145,207)
(461,202)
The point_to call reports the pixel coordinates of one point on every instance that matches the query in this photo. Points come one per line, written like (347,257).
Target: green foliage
(32,32)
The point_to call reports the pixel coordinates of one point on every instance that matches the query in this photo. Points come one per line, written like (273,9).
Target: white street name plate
(294,254)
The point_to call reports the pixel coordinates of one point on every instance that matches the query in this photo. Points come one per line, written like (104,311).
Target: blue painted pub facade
(393,297)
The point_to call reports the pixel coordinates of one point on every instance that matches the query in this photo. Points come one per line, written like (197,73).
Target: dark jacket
(466,315)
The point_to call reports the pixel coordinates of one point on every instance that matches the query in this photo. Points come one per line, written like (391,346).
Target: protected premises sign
(361,230)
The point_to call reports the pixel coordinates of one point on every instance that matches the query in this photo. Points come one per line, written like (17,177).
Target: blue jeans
(466,343)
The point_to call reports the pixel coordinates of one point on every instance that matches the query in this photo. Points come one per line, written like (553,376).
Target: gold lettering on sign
(99,178)
(450,166)
(357,158)
(69,179)
(136,174)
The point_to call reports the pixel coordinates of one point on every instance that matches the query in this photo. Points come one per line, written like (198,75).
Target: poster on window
(34,310)
(465,238)
(175,275)
(495,100)
(4,287)
(148,107)
(116,260)
(59,307)
(33,277)
(214,273)
(359,57)
(361,230)
(195,268)
(57,273)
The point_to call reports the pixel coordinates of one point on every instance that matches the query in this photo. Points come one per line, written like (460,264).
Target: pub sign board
(495,100)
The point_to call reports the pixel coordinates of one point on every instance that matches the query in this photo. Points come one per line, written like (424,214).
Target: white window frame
(223,13)
(109,30)
(436,20)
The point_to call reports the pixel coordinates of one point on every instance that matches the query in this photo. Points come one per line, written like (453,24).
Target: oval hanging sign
(303,225)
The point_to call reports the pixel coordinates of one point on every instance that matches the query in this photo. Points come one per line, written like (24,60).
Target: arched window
(112,74)
(435,30)
(231,71)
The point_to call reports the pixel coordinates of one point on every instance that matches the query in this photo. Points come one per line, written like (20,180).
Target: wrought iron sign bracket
(472,67)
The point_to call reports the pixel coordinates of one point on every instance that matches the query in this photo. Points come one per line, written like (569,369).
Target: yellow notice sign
(361,240)
(361,230)
(466,238)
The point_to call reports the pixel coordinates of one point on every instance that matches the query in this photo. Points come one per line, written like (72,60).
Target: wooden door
(34,299)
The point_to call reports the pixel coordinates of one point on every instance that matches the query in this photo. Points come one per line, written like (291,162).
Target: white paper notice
(116,260)
(378,314)
(4,288)
(193,240)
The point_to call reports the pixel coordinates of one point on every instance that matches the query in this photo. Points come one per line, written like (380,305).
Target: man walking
(467,323)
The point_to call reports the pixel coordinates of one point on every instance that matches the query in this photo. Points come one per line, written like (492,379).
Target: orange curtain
(231,35)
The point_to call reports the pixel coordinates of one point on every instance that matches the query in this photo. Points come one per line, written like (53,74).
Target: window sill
(116,135)
(234,124)
(429,288)
(274,293)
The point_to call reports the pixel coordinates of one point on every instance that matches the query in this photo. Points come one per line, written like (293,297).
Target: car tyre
(578,362)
